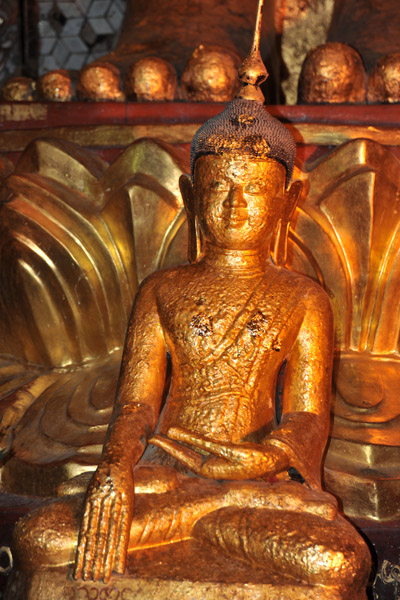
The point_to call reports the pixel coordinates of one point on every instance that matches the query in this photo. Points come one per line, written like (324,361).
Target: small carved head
(384,80)
(100,82)
(210,75)
(151,79)
(19,89)
(332,73)
(55,86)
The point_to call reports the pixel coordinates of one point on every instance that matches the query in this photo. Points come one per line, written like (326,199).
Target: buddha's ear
(189,200)
(290,198)
(292,195)
(186,187)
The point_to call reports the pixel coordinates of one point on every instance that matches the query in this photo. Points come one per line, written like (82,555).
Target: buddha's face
(239,200)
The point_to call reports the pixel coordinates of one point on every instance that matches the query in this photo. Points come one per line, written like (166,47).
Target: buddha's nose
(235,198)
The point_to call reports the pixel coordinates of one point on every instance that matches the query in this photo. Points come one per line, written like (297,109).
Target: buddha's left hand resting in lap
(216,462)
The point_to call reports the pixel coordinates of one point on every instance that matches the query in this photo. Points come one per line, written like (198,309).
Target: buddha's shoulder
(306,291)
(172,276)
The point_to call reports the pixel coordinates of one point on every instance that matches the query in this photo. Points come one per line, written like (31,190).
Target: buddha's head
(151,79)
(210,75)
(239,192)
(239,195)
(19,89)
(384,80)
(332,73)
(55,86)
(100,82)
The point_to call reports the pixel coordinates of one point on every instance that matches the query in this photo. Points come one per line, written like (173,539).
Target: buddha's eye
(218,185)
(254,188)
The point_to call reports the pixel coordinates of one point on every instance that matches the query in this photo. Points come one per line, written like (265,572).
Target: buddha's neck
(250,263)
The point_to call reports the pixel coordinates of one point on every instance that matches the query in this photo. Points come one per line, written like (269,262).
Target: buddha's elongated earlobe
(194,235)
(279,248)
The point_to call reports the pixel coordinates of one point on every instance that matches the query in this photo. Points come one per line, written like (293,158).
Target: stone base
(172,572)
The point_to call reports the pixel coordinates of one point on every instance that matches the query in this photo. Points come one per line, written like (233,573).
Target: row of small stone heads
(332,73)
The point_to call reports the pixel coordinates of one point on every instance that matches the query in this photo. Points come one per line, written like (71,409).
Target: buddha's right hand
(104,534)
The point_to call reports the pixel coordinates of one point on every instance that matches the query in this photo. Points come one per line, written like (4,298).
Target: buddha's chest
(233,323)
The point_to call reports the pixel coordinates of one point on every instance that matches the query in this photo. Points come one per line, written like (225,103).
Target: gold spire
(252,72)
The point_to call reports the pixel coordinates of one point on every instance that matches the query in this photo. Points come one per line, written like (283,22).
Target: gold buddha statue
(218,459)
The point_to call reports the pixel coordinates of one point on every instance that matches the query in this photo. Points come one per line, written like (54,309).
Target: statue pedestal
(174,572)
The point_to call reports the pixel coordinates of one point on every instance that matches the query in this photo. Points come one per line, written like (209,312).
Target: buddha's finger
(123,533)
(82,542)
(217,468)
(91,538)
(187,457)
(102,536)
(183,435)
(112,539)
(235,453)
(227,451)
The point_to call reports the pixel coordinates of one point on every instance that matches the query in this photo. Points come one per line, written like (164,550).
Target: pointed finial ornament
(245,127)
(252,72)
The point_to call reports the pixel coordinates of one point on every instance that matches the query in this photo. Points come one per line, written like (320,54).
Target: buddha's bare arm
(104,533)
(304,427)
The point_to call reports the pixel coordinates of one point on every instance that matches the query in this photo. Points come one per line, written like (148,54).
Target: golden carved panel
(346,234)
(77,237)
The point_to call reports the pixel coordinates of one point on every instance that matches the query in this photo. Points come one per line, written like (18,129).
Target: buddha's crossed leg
(284,526)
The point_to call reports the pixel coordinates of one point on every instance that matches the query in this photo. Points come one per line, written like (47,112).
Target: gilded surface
(65,307)
(367,376)
(100,83)
(346,236)
(384,80)
(115,136)
(332,73)
(173,581)
(352,248)
(55,86)
(19,89)
(179,26)
(210,75)
(151,79)
(228,320)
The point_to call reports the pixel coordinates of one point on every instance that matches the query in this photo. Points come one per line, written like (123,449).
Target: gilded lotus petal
(77,237)
(346,234)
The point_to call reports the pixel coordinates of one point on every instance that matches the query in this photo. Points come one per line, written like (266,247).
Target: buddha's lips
(235,218)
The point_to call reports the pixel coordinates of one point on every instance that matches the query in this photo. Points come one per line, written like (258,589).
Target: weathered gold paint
(212,468)
(23,112)
(100,82)
(151,79)
(55,86)
(332,73)
(359,376)
(345,235)
(19,89)
(384,80)
(210,75)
